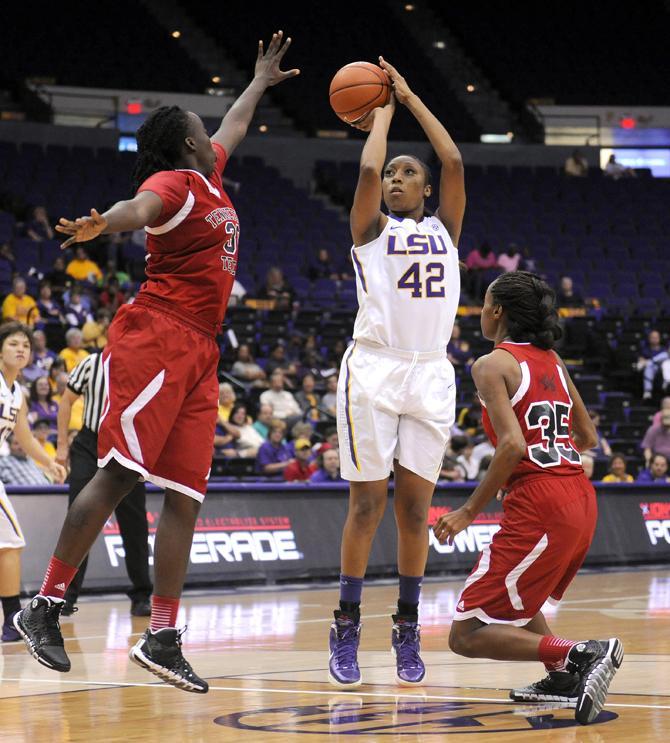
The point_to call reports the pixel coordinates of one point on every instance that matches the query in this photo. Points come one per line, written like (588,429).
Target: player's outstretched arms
(124,216)
(366,220)
(452,182)
(267,73)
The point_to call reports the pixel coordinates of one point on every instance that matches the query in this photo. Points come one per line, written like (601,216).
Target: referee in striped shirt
(87,379)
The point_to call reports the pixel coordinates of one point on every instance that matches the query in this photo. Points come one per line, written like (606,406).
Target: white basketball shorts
(393,404)
(11,536)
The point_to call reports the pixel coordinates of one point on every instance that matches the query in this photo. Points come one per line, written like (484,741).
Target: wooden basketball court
(265,656)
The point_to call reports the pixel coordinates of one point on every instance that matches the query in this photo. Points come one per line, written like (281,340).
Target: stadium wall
(271,532)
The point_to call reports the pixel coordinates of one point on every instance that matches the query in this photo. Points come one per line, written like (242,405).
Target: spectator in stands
(7,257)
(237,294)
(112,271)
(336,353)
(247,370)
(246,439)
(112,296)
(481,264)
(308,398)
(617,469)
(227,399)
(615,170)
(82,268)
(301,468)
(77,313)
(263,419)
(300,430)
(654,357)
(483,468)
(20,306)
(276,287)
(657,470)
(38,227)
(603,448)
(657,439)
(18,469)
(576,165)
(470,418)
(278,360)
(510,260)
(331,438)
(458,349)
(588,465)
(41,359)
(73,353)
(42,430)
(51,312)
(567,296)
(323,267)
(665,405)
(95,331)
(58,278)
(329,400)
(41,405)
(528,263)
(274,455)
(451,470)
(328,461)
(57,366)
(283,403)
(462,448)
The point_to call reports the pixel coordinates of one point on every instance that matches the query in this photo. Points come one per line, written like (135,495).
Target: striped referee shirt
(88,379)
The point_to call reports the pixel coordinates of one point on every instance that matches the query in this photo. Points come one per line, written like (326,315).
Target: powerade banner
(266,532)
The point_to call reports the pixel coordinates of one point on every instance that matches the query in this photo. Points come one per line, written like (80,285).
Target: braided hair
(530,306)
(159,142)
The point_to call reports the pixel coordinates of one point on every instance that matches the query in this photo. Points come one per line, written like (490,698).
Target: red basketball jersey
(192,247)
(544,410)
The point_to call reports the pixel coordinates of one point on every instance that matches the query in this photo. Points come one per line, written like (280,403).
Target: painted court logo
(656,516)
(223,540)
(349,715)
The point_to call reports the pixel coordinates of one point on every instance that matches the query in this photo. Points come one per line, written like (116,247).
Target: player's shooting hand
(365,123)
(400,87)
(267,63)
(56,472)
(449,524)
(81,230)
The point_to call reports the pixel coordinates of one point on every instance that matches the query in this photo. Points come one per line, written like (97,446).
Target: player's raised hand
(81,230)
(365,123)
(268,63)
(400,87)
(449,524)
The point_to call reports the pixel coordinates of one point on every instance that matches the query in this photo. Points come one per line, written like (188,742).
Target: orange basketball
(357,88)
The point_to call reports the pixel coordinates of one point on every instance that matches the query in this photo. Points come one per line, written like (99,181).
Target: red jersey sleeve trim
(178,218)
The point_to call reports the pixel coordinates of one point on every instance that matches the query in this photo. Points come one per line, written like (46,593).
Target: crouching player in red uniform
(160,366)
(537,421)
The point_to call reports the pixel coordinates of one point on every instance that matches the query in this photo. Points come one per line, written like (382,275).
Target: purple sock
(410,589)
(350,589)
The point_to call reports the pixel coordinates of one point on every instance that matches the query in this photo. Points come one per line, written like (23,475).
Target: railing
(574,131)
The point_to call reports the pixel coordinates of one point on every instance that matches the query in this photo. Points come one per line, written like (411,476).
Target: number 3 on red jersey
(552,418)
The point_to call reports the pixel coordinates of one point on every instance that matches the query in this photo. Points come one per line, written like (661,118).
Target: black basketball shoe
(38,625)
(596,662)
(160,653)
(557,686)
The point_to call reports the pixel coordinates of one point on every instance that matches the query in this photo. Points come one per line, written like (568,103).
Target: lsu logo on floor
(348,714)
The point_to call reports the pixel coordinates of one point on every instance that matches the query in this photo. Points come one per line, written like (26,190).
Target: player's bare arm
(267,73)
(366,220)
(584,433)
(33,448)
(452,183)
(124,216)
(67,400)
(493,375)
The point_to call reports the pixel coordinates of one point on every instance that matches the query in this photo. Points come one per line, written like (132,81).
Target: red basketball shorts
(162,398)
(545,533)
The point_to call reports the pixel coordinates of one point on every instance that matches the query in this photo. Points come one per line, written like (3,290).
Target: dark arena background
(561,113)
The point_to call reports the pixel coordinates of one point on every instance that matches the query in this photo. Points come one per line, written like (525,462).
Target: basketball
(357,88)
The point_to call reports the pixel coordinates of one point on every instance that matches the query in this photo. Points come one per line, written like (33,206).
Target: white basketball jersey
(11,400)
(408,284)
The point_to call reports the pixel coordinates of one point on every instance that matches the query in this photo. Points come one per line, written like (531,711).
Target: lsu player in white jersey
(15,347)
(396,393)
